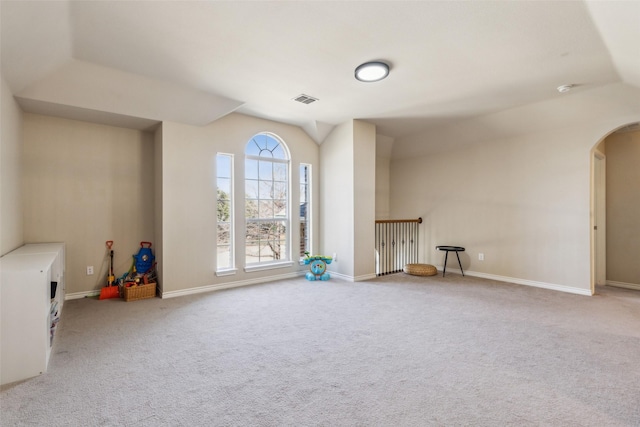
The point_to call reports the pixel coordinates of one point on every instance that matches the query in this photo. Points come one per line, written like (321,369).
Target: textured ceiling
(136,63)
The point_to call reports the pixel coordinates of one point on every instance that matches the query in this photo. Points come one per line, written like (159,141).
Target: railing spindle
(396,244)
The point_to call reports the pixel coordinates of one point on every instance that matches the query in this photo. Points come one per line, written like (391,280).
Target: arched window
(266,200)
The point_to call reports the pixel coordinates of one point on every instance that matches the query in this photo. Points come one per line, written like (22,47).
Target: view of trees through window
(305,206)
(266,200)
(224,206)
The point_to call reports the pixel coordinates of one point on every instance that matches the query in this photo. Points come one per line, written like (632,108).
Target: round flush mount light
(372,71)
(565,88)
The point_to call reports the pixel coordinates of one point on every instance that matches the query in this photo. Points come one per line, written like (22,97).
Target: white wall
(364,193)
(337,198)
(85,184)
(348,157)
(514,200)
(189,199)
(384,145)
(521,200)
(11,223)
(158,186)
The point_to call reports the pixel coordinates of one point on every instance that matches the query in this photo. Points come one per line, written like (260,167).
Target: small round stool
(448,249)
(420,269)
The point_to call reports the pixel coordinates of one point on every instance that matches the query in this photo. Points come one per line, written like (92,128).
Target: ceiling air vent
(305,99)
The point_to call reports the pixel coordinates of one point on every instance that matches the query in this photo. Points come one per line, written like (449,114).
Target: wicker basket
(420,269)
(134,293)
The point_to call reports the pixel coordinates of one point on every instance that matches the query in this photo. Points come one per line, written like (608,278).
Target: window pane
(251,189)
(266,254)
(224,234)
(266,170)
(305,205)
(266,190)
(224,185)
(252,148)
(252,231)
(223,166)
(303,193)
(224,210)
(251,208)
(279,153)
(280,208)
(271,143)
(279,190)
(265,209)
(275,250)
(280,171)
(283,246)
(251,169)
(224,257)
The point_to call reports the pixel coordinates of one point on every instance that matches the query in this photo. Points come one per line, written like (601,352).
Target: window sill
(270,266)
(228,272)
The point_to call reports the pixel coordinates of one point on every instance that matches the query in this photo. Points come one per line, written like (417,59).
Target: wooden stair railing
(396,244)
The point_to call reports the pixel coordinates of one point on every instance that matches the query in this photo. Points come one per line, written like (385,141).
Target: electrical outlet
(480,257)
(335,257)
(89,270)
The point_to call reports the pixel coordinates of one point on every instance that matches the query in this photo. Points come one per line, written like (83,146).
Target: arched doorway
(615,209)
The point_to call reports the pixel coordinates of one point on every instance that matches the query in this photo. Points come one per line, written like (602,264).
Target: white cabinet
(31,298)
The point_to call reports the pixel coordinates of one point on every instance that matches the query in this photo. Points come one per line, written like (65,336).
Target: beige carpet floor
(394,351)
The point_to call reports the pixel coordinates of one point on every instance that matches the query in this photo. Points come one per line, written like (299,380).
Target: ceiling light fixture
(565,88)
(372,71)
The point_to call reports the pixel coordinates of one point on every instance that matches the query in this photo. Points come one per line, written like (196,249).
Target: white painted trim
(80,295)
(228,285)
(341,276)
(544,285)
(352,278)
(365,277)
(210,288)
(272,266)
(634,286)
(227,272)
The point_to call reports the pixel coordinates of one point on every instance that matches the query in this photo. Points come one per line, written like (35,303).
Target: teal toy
(317,267)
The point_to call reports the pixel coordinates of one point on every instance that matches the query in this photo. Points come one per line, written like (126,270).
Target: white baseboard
(365,277)
(228,285)
(634,286)
(552,286)
(335,275)
(80,295)
(352,278)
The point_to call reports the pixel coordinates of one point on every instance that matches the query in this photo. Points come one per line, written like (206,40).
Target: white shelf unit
(29,315)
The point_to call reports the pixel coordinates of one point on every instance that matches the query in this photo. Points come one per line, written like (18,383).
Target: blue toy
(317,266)
(144,259)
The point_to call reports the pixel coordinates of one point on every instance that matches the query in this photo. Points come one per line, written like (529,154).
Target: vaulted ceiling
(134,64)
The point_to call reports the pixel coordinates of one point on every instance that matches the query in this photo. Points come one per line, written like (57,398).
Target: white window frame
(309,207)
(284,261)
(231,269)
